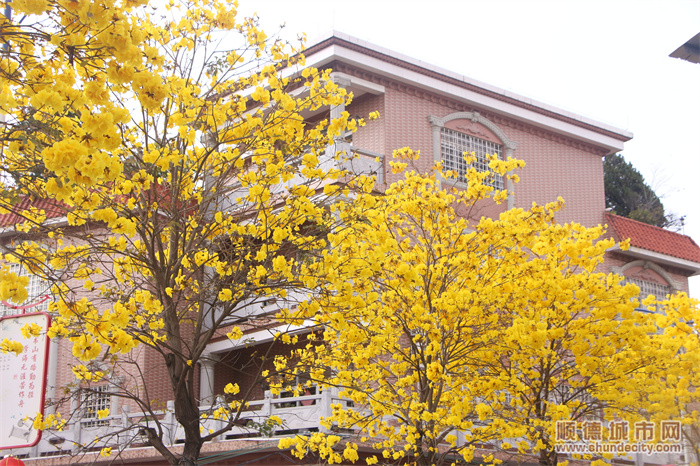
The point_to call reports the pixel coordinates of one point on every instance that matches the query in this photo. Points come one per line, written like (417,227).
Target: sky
(603,59)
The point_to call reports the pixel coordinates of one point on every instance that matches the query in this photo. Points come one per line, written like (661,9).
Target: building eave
(389,64)
(659,258)
(54,222)
(690,51)
(262,336)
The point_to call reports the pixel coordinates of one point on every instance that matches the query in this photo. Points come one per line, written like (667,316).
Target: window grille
(36,290)
(99,398)
(646,288)
(454,144)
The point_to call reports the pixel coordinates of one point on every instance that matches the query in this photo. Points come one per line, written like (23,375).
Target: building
(690,51)
(440,114)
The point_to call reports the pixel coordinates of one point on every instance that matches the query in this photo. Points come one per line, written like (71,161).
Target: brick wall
(370,137)
(242,367)
(555,165)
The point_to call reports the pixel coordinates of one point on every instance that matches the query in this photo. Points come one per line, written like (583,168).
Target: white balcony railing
(298,414)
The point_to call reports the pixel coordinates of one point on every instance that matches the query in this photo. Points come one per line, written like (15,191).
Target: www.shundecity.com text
(618,447)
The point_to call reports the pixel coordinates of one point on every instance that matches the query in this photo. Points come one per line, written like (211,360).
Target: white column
(436,125)
(77,426)
(337,110)
(51,376)
(325,409)
(206,378)
(339,144)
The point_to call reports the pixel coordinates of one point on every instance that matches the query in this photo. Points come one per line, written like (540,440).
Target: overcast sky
(607,60)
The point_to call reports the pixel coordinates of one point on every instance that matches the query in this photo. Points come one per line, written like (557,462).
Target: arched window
(639,273)
(453,145)
(473,134)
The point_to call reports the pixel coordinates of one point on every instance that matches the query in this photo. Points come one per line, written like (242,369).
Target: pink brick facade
(559,163)
(556,166)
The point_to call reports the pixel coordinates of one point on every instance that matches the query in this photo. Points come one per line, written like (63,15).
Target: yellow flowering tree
(448,334)
(676,368)
(577,348)
(165,179)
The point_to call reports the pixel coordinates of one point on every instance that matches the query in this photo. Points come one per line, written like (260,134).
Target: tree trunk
(193,441)
(549,457)
(186,412)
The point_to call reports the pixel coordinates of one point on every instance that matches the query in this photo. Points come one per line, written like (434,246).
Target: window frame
(647,287)
(454,144)
(509,146)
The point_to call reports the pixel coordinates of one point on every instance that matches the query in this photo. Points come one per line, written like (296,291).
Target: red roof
(52,208)
(651,238)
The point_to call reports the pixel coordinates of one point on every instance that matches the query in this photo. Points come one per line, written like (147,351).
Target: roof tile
(52,208)
(651,238)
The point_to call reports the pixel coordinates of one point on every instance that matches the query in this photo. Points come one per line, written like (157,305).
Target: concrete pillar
(339,144)
(206,378)
(77,426)
(337,110)
(266,409)
(51,375)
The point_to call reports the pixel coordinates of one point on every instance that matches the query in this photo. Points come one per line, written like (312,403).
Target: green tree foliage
(628,195)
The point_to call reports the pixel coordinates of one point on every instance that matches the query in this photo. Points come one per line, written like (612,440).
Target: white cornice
(55,222)
(256,338)
(356,85)
(660,258)
(389,70)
